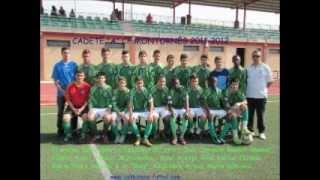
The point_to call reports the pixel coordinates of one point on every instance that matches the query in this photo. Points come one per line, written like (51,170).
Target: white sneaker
(116,141)
(192,130)
(262,136)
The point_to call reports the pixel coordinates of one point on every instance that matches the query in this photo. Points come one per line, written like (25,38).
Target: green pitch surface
(199,159)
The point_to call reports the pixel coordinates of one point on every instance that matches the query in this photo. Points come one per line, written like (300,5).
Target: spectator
(41,10)
(72,14)
(149,19)
(62,12)
(54,11)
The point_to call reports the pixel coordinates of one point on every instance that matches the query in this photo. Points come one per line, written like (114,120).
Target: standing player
(179,104)
(168,71)
(87,67)
(238,72)
(202,71)
(76,95)
(141,103)
(107,67)
(156,67)
(63,73)
(100,107)
(183,72)
(195,93)
(220,73)
(160,94)
(236,104)
(121,97)
(125,69)
(213,106)
(143,70)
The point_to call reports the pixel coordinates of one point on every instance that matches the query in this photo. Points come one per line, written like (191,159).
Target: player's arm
(54,76)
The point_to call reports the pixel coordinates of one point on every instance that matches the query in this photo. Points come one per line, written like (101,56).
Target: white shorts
(162,111)
(197,112)
(143,115)
(218,113)
(101,112)
(179,112)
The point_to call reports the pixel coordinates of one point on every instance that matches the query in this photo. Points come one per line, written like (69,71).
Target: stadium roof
(256,5)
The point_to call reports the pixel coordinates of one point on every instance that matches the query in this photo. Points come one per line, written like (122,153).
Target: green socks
(147,130)
(184,128)
(173,127)
(67,129)
(212,129)
(135,130)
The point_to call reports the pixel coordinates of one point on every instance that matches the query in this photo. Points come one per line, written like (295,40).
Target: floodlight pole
(114,5)
(122,10)
(244,16)
(236,22)
(174,14)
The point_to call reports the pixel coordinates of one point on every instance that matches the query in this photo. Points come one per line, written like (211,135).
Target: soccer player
(141,103)
(220,73)
(143,70)
(202,71)
(236,104)
(100,107)
(213,106)
(183,72)
(179,104)
(107,67)
(125,69)
(195,93)
(156,67)
(121,97)
(63,73)
(160,94)
(76,96)
(238,72)
(168,70)
(87,67)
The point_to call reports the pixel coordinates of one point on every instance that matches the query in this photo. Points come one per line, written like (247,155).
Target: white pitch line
(101,163)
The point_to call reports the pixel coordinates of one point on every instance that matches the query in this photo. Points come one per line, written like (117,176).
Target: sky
(199,13)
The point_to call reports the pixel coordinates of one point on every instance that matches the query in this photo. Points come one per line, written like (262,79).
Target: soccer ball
(247,139)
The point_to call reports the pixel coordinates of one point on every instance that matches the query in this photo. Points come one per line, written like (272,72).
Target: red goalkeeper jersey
(77,94)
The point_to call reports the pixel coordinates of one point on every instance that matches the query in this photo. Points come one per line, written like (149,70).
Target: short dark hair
(122,78)
(125,52)
(170,56)
(79,71)
(234,80)
(217,58)
(235,56)
(156,51)
(103,50)
(101,74)
(85,51)
(161,76)
(193,76)
(139,78)
(142,52)
(204,56)
(183,56)
(64,48)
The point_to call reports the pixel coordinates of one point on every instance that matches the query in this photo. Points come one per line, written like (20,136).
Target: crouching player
(76,95)
(213,106)
(160,94)
(121,97)
(100,106)
(179,104)
(195,93)
(236,109)
(140,102)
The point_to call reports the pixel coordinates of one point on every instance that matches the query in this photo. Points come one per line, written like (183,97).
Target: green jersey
(195,97)
(183,73)
(145,71)
(100,96)
(160,96)
(125,71)
(213,98)
(178,96)
(121,100)
(89,71)
(169,74)
(241,74)
(233,97)
(202,73)
(110,71)
(140,99)
(156,70)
